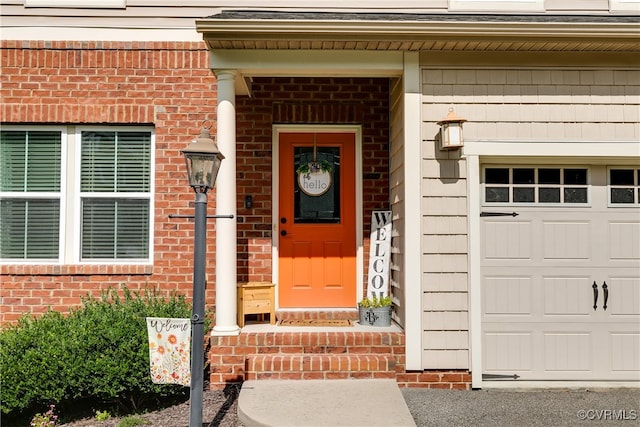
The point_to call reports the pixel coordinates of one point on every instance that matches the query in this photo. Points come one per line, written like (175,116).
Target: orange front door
(317,223)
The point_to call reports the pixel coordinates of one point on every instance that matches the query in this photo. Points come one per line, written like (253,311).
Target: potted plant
(375,311)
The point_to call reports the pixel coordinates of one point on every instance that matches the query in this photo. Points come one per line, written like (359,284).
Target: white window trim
(70,213)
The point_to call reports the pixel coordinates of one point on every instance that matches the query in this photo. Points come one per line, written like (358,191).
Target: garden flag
(169,347)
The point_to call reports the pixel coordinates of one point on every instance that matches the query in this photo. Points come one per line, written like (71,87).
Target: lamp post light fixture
(451,131)
(203,162)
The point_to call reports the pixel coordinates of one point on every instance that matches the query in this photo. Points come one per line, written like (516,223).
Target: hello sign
(379,254)
(314,183)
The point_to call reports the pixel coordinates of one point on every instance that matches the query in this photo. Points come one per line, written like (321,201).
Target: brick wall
(169,86)
(166,85)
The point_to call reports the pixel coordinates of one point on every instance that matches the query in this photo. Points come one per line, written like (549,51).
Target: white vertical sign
(379,254)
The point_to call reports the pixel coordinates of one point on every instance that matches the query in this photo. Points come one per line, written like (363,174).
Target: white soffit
(308,62)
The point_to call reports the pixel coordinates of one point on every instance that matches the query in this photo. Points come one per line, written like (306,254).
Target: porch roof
(279,30)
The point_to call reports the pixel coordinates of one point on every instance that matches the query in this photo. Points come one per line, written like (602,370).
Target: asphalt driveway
(601,407)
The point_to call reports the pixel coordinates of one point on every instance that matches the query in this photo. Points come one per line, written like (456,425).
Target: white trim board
(554,149)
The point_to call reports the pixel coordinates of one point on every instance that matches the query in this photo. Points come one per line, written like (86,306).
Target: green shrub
(98,353)
(132,421)
(102,415)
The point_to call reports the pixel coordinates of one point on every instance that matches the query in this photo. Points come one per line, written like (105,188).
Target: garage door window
(624,186)
(529,185)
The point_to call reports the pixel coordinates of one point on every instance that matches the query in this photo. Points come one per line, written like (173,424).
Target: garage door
(561,272)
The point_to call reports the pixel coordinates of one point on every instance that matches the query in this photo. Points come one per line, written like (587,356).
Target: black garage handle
(595,295)
(513,214)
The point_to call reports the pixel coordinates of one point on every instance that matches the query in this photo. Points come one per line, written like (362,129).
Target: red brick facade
(165,85)
(169,86)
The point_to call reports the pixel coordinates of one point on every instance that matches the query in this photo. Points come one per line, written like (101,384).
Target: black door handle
(283,233)
(595,295)
(513,214)
(605,290)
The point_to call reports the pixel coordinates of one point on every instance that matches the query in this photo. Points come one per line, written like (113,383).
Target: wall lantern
(451,131)
(203,162)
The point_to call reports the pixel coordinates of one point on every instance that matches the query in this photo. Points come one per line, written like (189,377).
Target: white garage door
(561,280)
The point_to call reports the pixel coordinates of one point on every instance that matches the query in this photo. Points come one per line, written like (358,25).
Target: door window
(317,185)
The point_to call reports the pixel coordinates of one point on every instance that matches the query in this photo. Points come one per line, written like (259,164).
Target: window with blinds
(115,182)
(30,179)
(102,214)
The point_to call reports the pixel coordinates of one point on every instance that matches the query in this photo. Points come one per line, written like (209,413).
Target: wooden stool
(256,298)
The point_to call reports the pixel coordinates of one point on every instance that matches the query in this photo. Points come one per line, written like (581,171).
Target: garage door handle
(595,295)
(513,214)
(605,290)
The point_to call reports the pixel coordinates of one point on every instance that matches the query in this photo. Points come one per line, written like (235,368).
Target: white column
(226,229)
(475,295)
(413,212)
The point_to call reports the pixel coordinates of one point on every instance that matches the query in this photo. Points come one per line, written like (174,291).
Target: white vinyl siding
(496,5)
(397,276)
(536,105)
(82,196)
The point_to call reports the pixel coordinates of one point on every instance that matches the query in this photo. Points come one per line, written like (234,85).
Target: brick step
(350,314)
(232,357)
(319,366)
(305,341)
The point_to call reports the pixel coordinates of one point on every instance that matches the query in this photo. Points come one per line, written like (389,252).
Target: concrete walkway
(319,403)
(355,403)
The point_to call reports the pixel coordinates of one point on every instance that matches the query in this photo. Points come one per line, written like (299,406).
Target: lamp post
(203,161)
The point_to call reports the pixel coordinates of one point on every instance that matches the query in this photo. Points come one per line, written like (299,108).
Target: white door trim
(276,131)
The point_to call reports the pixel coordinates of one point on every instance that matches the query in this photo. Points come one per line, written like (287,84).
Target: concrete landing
(318,403)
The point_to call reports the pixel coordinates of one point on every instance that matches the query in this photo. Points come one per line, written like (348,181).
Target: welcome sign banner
(379,254)
(169,350)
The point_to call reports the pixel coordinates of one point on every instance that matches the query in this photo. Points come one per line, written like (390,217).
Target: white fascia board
(224,29)
(308,63)
(553,149)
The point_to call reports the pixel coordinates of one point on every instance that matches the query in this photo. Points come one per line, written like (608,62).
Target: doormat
(315,322)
